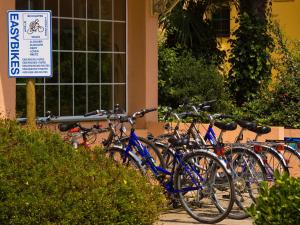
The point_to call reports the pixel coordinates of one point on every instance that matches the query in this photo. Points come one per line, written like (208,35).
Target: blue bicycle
(198,179)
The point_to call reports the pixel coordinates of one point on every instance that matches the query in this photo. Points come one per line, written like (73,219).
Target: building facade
(104,53)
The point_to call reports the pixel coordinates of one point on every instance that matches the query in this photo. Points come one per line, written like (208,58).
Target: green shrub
(182,76)
(280,103)
(279,204)
(45,181)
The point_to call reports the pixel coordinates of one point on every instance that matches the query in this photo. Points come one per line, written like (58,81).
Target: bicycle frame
(157,170)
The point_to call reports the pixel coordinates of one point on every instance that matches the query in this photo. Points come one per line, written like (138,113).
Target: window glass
(80,9)
(93,35)
(93,9)
(106,97)
(22,4)
(66,34)
(120,10)
(79,99)
(66,67)
(89,57)
(120,95)
(66,100)
(79,35)
(94,97)
(120,68)
(36,4)
(106,36)
(65,7)
(106,68)
(79,67)
(106,9)
(120,37)
(53,6)
(93,68)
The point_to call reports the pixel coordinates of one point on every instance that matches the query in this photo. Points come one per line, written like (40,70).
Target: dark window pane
(65,7)
(37,4)
(120,95)
(65,34)
(120,10)
(221,21)
(52,99)
(22,4)
(39,80)
(93,9)
(66,100)
(54,34)
(106,36)
(65,67)
(20,101)
(94,97)
(93,65)
(39,90)
(120,37)
(79,67)
(93,36)
(106,9)
(21,80)
(106,68)
(120,68)
(79,35)
(79,99)
(79,9)
(53,6)
(54,78)
(106,97)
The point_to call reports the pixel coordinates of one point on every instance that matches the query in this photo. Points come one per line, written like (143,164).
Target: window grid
(113,53)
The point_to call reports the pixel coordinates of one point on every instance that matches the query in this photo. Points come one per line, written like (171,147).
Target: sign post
(30,51)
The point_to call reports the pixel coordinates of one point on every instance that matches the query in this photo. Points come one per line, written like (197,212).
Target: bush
(279,105)
(44,181)
(279,204)
(182,76)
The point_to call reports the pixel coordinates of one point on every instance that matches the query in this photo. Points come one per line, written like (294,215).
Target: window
(89,57)
(221,21)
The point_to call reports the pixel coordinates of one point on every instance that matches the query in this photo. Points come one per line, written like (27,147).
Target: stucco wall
(7,85)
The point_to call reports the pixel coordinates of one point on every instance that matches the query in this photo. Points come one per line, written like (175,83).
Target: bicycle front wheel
(204,186)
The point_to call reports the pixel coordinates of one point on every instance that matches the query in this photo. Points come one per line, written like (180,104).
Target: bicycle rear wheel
(205,187)
(120,157)
(248,172)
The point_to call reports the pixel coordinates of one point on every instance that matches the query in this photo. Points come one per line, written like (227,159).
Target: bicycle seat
(178,142)
(226,126)
(261,130)
(246,124)
(66,126)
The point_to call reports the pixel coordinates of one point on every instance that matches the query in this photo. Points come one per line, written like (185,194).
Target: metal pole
(30,102)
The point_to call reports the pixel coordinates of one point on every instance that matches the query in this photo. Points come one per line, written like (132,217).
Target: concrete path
(180,217)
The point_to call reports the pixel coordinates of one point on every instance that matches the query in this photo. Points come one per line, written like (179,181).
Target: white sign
(29,43)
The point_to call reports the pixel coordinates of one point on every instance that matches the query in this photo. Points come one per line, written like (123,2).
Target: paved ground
(180,217)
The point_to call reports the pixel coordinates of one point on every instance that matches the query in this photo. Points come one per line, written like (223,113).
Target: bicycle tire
(248,172)
(119,156)
(209,191)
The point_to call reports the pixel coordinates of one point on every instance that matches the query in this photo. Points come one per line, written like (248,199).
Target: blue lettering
(14,43)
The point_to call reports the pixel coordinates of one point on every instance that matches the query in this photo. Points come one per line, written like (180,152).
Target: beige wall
(286,12)
(7,85)
(142,59)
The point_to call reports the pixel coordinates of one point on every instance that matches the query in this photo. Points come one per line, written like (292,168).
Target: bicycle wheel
(151,148)
(119,156)
(273,161)
(248,172)
(205,187)
(292,159)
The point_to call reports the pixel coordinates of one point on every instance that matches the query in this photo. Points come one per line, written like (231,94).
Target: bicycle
(198,178)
